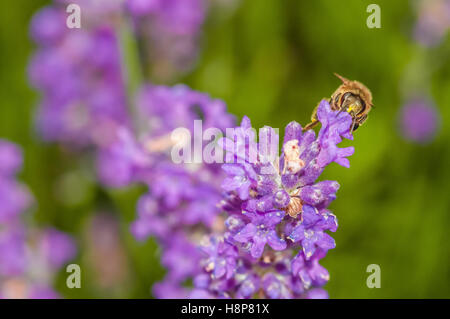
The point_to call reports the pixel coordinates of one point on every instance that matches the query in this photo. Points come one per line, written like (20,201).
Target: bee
(352,97)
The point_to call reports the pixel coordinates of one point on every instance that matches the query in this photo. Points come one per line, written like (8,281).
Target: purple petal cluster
(181,203)
(278,221)
(14,196)
(433,21)
(174,16)
(78,73)
(419,121)
(28,257)
(170,30)
(84,103)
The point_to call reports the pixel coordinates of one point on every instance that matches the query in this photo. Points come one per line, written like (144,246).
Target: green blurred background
(273,61)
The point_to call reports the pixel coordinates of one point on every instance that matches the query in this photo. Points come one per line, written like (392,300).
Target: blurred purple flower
(57,247)
(43,292)
(10,157)
(23,256)
(181,203)
(84,103)
(79,75)
(433,21)
(14,197)
(170,30)
(12,252)
(419,121)
(175,16)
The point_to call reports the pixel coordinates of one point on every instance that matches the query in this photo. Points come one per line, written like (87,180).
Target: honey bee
(352,97)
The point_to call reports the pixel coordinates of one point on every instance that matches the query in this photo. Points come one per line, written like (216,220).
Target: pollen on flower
(209,267)
(15,288)
(293,162)
(159,144)
(325,276)
(253,193)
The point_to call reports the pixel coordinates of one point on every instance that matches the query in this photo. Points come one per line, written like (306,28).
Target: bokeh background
(273,61)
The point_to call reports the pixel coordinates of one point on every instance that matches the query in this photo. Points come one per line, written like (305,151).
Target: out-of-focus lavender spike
(29,257)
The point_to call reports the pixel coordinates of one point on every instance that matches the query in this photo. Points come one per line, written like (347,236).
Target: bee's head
(356,97)
(352,103)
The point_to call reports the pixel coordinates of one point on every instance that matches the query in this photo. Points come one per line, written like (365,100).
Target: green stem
(132,70)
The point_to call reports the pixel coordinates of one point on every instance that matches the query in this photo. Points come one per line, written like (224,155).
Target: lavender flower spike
(419,121)
(29,258)
(276,230)
(181,203)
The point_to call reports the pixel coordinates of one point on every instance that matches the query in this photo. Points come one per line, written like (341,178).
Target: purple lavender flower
(433,21)
(14,197)
(309,271)
(23,288)
(12,252)
(11,158)
(221,260)
(261,231)
(168,108)
(180,258)
(175,16)
(56,247)
(181,204)
(276,210)
(120,158)
(29,258)
(170,30)
(419,121)
(78,72)
(46,26)
(43,292)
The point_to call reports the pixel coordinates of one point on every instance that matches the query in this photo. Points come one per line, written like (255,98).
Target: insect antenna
(340,77)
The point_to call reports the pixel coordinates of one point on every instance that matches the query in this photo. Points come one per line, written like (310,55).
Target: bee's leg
(361,120)
(354,119)
(314,121)
(311,125)
(353,125)
(341,110)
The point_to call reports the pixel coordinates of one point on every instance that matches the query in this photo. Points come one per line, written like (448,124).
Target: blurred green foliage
(273,61)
